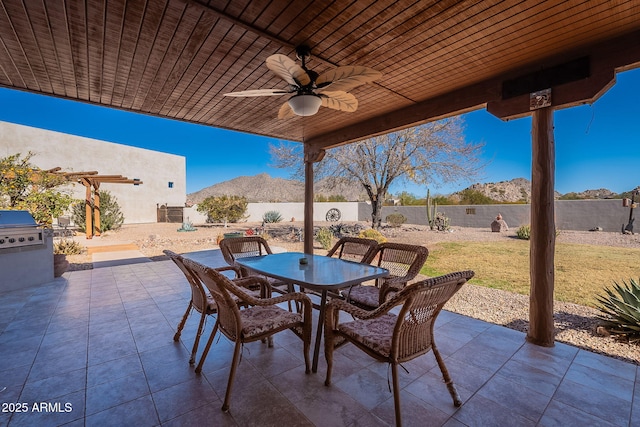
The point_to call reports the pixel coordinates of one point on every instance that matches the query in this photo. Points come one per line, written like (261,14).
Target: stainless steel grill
(18,228)
(26,251)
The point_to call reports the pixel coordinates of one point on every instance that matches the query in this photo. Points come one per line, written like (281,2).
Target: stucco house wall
(78,154)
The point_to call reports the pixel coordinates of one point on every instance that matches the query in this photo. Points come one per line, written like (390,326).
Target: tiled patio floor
(96,348)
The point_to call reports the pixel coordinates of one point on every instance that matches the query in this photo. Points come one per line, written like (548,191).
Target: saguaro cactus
(432,208)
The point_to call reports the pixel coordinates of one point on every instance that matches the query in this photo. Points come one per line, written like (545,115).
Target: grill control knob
(1,241)
(31,238)
(20,239)
(12,240)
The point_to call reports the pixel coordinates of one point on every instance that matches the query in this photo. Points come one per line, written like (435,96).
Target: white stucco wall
(255,211)
(78,154)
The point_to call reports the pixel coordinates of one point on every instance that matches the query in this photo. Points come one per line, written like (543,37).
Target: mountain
(519,189)
(264,188)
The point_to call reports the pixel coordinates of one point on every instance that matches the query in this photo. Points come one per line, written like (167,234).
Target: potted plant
(60,251)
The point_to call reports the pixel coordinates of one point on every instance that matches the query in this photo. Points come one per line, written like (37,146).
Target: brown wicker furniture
(395,338)
(235,248)
(403,261)
(354,249)
(320,273)
(200,300)
(259,321)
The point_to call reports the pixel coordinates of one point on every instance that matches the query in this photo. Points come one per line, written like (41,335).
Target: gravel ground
(575,324)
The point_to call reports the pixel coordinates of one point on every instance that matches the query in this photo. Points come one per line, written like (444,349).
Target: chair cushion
(375,334)
(368,296)
(260,319)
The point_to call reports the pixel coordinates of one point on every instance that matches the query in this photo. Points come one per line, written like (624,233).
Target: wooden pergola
(92,180)
(176,58)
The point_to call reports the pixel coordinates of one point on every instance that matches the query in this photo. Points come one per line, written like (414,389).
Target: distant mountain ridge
(264,188)
(519,190)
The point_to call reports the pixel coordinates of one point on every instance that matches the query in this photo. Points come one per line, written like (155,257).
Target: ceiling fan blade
(285,111)
(288,70)
(259,92)
(339,100)
(346,78)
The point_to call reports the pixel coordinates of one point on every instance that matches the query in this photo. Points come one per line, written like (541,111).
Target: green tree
(111,218)
(475,197)
(223,208)
(432,153)
(408,199)
(24,186)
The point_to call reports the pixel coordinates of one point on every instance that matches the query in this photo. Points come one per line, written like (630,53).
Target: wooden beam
(96,209)
(543,233)
(450,104)
(606,59)
(87,210)
(310,157)
(617,54)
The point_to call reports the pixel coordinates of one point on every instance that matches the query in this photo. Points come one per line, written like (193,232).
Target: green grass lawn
(581,271)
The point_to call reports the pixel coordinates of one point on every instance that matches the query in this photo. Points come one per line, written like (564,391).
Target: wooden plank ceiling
(176,58)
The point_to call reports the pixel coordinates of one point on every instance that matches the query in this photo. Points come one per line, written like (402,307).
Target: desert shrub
(111,218)
(524,232)
(621,309)
(271,217)
(395,219)
(325,237)
(441,222)
(223,208)
(24,186)
(370,233)
(67,247)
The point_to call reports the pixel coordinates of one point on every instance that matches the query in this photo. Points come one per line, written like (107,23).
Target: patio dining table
(316,272)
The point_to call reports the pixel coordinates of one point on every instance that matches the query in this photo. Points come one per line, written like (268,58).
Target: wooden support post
(543,233)
(96,209)
(87,210)
(310,157)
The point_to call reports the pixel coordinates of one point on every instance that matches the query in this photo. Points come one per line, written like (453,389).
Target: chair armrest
(253,282)
(238,291)
(235,269)
(336,305)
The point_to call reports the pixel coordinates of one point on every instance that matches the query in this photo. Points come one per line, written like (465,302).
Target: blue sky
(597,146)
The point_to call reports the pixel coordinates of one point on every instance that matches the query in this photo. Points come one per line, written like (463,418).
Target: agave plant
(621,308)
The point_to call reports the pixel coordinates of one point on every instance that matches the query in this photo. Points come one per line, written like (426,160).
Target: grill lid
(16,219)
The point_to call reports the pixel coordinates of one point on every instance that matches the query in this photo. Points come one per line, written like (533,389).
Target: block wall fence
(580,215)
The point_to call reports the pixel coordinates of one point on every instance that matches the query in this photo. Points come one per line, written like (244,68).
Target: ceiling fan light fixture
(305,105)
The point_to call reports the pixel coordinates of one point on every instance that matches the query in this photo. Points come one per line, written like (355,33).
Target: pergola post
(311,155)
(87,209)
(543,233)
(96,209)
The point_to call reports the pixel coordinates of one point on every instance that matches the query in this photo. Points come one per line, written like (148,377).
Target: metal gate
(170,214)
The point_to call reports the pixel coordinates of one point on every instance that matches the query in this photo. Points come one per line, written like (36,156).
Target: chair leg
(206,347)
(396,394)
(328,354)
(192,360)
(176,337)
(234,366)
(445,375)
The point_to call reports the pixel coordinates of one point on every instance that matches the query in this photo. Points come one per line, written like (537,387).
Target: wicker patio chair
(261,320)
(354,249)
(392,338)
(241,247)
(403,261)
(200,300)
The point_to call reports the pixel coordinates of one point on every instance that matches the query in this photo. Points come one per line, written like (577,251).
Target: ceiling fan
(312,90)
